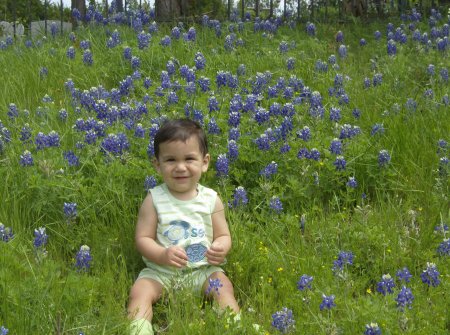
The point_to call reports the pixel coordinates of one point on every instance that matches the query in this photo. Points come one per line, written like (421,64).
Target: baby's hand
(175,256)
(216,254)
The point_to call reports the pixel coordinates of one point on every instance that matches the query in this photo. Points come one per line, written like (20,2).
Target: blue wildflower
(6,233)
(70,210)
(404,298)
(352,183)
(233,150)
(310,29)
(444,248)
(83,258)
(269,170)
(222,168)
(344,258)
(340,163)
(40,238)
(213,286)
(404,275)
(304,283)
(3,330)
(263,142)
(377,128)
(391,48)
(336,146)
(386,285)
(384,158)
(372,329)
(71,158)
(239,198)
(213,127)
(327,302)
(339,37)
(304,134)
(87,57)
(430,275)
(283,321)
(149,183)
(26,159)
(342,51)
(276,204)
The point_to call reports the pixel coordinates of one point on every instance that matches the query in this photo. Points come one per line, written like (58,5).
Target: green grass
(388,221)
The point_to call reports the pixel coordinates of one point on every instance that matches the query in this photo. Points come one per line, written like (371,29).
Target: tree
(81,6)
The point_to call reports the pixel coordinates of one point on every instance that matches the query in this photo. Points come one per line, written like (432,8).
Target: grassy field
(336,142)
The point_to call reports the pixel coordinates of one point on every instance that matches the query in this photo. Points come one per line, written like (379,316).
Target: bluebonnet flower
(6,233)
(115,144)
(367,82)
(221,79)
(176,33)
(314,154)
(135,62)
(340,163)
(43,72)
(269,170)
(213,104)
(377,79)
(213,128)
(430,275)
(204,84)
(310,29)
(336,146)
(239,198)
(263,142)
(428,93)
(222,165)
(71,158)
(213,285)
(342,51)
(303,153)
(304,283)
(70,211)
(197,115)
(139,131)
(127,53)
(90,137)
(335,114)
(391,48)
(444,248)
(377,128)
(290,63)
(352,183)
(149,183)
(362,42)
(85,44)
(172,98)
(233,150)
(191,34)
(143,40)
(26,159)
(444,74)
(83,258)
(276,205)
(200,61)
(372,329)
(13,111)
(383,158)
(283,47)
(404,275)
(430,69)
(40,238)
(339,37)
(70,52)
(344,258)
(327,302)
(165,41)
(87,57)
(404,298)
(25,133)
(386,285)
(234,134)
(4,331)
(304,134)
(283,320)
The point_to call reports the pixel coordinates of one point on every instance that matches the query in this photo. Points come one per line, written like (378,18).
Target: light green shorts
(187,278)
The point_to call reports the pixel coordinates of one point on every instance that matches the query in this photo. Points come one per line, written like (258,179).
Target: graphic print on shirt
(178,230)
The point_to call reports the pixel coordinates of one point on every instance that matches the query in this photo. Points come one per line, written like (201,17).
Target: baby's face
(181,165)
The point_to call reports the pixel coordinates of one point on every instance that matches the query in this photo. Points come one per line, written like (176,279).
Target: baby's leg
(225,295)
(144,293)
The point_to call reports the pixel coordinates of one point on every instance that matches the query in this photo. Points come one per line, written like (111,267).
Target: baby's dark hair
(180,130)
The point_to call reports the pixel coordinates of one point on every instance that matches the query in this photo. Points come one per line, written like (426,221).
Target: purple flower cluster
(213,286)
(327,302)
(386,285)
(269,170)
(304,283)
(239,198)
(83,259)
(6,233)
(222,168)
(430,276)
(283,320)
(344,258)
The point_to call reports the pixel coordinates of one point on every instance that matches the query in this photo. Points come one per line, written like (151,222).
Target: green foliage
(388,221)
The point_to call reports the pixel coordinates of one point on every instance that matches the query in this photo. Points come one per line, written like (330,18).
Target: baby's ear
(206,160)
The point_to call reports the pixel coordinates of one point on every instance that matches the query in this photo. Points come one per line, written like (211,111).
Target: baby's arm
(146,238)
(221,244)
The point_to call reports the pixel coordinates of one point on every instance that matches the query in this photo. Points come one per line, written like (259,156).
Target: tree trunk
(167,9)
(119,6)
(81,6)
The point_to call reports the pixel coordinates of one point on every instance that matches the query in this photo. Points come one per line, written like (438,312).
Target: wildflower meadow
(330,148)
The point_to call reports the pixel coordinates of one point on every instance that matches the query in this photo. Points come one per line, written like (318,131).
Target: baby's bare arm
(146,238)
(221,244)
